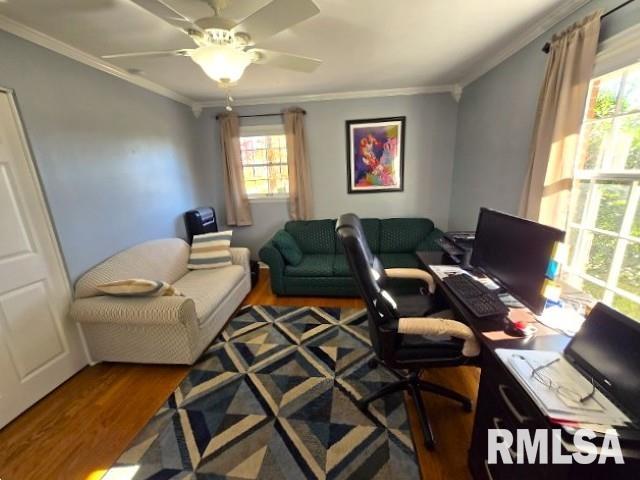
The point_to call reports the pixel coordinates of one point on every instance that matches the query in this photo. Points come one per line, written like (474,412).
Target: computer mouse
(519,329)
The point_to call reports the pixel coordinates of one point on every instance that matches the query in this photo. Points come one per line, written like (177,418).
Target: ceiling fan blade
(166,11)
(165,53)
(191,9)
(287,61)
(240,9)
(275,17)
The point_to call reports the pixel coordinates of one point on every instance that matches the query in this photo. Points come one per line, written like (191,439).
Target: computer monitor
(606,349)
(516,253)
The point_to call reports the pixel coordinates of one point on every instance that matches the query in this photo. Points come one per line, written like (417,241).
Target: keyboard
(475,296)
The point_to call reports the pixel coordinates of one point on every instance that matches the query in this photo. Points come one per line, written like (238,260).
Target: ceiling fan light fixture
(215,23)
(222,63)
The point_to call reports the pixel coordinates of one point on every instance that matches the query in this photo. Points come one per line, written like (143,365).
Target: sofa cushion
(208,288)
(399,260)
(371,227)
(389,260)
(341,266)
(402,235)
(318,265)
(164,260)
(288,247)
(313,236)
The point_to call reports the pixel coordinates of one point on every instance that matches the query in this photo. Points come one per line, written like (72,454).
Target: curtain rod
(547,46)
(261,115)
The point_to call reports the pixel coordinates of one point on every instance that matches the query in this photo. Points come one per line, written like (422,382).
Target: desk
(503,403)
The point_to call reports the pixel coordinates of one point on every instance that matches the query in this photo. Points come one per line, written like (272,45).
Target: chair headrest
(349,220)
(349,225)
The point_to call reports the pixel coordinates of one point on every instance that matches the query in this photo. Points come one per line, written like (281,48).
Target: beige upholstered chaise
(158,329)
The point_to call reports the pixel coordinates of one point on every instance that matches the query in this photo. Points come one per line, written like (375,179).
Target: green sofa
(324,270)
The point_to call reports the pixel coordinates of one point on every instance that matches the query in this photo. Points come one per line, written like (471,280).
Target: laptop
(607,350)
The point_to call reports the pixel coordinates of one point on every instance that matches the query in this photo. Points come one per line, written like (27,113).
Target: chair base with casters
(414,385)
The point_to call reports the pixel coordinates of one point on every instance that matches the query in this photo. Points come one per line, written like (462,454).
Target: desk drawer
(493,412)
(478,455)
(502,404)
(505,390)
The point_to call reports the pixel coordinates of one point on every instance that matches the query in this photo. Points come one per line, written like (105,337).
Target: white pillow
(138,287)
(211,250)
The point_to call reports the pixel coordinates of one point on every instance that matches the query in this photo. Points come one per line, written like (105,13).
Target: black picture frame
(354,172)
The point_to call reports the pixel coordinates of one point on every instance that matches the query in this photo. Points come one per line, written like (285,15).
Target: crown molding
(533,32)
(34,36)
(536,29)
(456,92)
(323,97)
(62,48)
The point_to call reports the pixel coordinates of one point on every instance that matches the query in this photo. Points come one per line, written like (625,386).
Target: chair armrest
(414,273)
(139,310)
(429,243)
(441,327)
(241,256)
(270,255)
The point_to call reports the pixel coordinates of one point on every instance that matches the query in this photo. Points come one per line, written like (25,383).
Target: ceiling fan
(224,48)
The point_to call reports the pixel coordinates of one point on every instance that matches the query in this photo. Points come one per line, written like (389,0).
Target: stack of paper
(563,318)
(443,271)
(555,404)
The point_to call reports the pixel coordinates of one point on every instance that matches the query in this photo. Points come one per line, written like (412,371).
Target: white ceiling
(365,44)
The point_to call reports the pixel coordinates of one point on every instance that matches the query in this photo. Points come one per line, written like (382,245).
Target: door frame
(44,206)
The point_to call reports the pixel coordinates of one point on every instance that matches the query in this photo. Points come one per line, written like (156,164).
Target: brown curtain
(300,198)
(235,194)
(547,189)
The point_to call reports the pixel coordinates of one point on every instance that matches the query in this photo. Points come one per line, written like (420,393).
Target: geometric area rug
(272,398)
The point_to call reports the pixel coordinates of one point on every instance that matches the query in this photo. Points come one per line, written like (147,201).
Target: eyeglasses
(564,393)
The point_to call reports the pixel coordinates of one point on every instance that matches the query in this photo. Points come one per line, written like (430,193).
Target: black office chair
(400,341)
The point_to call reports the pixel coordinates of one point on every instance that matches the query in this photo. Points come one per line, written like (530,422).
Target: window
(604,221)
(264,161)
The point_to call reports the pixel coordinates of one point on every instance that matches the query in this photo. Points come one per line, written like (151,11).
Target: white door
(39,347)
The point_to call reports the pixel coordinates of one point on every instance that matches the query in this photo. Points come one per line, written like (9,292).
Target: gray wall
(429,147)
(495,122)
(117,163)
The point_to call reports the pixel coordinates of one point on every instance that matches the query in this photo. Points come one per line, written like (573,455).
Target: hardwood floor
(80,429)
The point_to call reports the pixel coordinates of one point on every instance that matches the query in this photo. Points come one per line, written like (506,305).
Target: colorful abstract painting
(375,155)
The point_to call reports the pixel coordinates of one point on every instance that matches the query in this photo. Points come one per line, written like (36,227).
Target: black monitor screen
(516,252)
(606,349)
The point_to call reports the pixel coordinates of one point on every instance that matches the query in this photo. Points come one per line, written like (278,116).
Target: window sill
(269,199)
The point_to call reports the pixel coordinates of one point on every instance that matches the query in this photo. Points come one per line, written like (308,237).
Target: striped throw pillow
(138,287)
(210,250)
